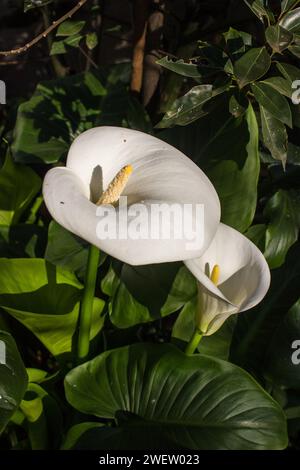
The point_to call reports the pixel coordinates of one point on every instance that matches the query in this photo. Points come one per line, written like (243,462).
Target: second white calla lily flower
(232,275)
(159,173)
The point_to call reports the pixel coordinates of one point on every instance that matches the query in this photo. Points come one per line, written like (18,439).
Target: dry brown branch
(45,33)
(141,13)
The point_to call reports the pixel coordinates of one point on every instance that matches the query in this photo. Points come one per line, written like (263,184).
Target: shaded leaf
(288,5)
(13,381)
(91,41)
(252,66)
(190,107)
(283,213)
(275,136)
(227,149)
(18,186)
(278,38)
(282,367)
(291,21)
(255,328)
(282,85)
(61,109)
(131,290)
(187,69)
(273,102)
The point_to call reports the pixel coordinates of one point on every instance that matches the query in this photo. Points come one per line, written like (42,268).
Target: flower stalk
(194,342)
(86,305)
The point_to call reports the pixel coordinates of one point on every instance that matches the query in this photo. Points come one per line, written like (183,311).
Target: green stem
(194,342)
(86,306)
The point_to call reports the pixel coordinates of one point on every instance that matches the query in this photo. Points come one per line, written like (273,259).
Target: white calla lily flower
(159,173)
(233,276)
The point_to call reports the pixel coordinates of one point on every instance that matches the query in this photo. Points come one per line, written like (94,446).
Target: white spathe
(161,174)
(244,278)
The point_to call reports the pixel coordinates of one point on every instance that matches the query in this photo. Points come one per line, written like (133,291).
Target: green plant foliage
(227,149)
(256,328)
(220,81)
(66,250)
(46,300)
(162,388)
(273,101)
(13,378)
(18,186)
(187,69)
(291,21)
(252,66)
(131,292)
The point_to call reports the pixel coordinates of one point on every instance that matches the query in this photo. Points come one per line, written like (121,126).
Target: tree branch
(45,33)
(141,14)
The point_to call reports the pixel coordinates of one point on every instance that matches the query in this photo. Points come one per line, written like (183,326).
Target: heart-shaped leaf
(197,402)
(45,299)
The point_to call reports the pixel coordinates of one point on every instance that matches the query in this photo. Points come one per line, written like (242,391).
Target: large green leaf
(275,136)
(197,402)
(18,186)
(61,109)
(273,101)
(291,21)
(141,294)
(227,149)
(283,213)
(45,299)
(13,378)
(252,66)
(57,112)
